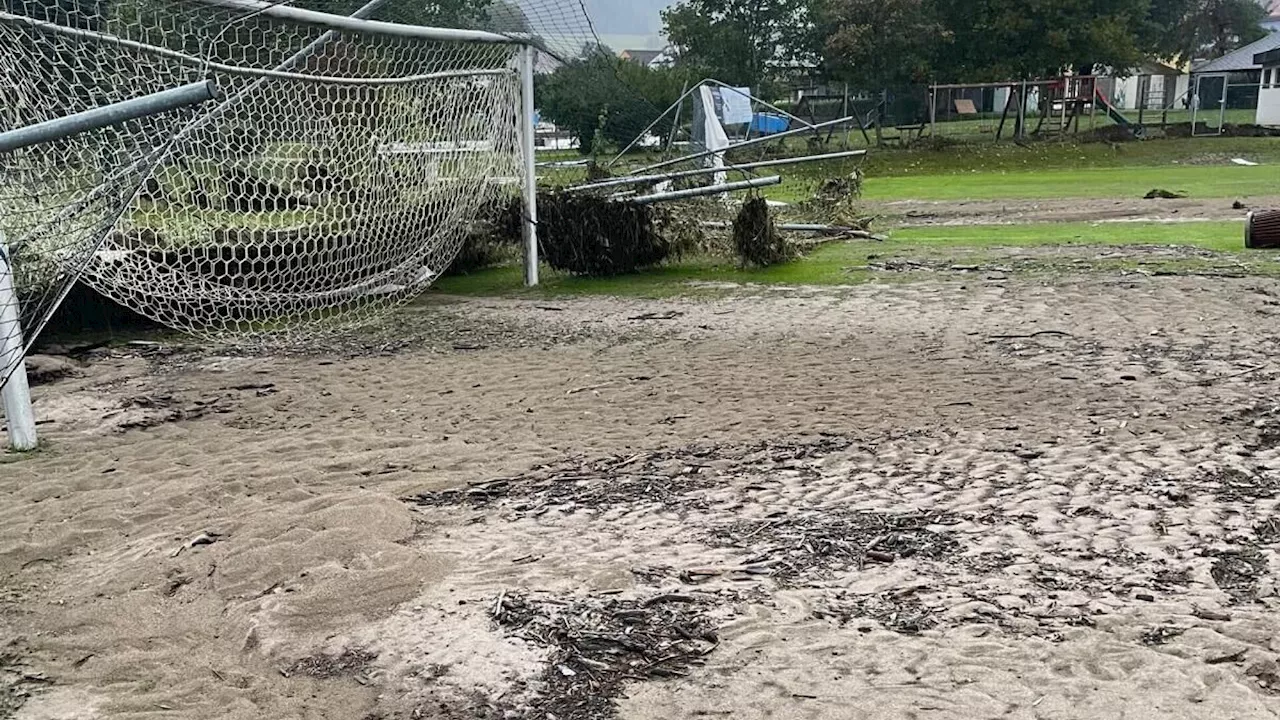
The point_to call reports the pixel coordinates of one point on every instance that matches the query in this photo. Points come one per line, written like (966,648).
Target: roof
(1242,59)
(644,57)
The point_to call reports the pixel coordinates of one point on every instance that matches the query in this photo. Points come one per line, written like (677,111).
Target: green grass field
(846,263)
(1216,181)
(1200,167)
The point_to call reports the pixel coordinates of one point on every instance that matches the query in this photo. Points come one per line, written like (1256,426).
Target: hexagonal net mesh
(335,178)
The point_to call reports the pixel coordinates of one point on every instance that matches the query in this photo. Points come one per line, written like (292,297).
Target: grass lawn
(1211,181)
(845,263)
(1200,167)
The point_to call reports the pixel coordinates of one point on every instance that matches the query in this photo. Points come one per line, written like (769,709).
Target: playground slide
(1116,116)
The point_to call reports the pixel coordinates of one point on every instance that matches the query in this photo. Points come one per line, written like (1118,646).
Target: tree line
(875,44)
(879,43)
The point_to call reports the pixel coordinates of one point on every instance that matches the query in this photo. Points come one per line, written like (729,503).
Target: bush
(493,238)
(756,239)
(589,235)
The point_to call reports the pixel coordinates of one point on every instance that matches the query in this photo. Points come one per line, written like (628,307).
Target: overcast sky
(627,17)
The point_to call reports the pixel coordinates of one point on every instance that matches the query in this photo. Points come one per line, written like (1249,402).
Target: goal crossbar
(358,25)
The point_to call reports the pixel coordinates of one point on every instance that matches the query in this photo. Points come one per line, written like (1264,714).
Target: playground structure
(1031,108)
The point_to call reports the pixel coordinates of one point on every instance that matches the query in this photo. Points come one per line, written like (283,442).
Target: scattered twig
(601,386)
(668,315)
(1224,659)
(1250,371)
(1207,614)
(1031,335)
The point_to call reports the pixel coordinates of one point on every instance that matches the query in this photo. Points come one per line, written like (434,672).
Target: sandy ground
(913,500)
(917,213)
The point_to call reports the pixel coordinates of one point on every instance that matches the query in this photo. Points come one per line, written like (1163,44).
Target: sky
(627,22)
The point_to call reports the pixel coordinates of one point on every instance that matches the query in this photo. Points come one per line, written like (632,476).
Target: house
(1269,88)
(663,58)
(640,57)
(1240,61)
(666,59)
(1272,21)
(1150,86)
(1234,80)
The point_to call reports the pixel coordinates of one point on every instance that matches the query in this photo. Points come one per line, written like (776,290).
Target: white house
(1151,86)
(1269,89)
(1272,22)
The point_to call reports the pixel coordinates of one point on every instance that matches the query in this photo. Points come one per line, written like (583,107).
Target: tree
(895,41)
(604,93)
(879,43)
(1013,39)
(1190,29)
(736,41)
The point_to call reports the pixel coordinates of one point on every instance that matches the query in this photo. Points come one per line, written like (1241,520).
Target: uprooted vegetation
(599,644)
(600,234)
(756,238)
(814,543)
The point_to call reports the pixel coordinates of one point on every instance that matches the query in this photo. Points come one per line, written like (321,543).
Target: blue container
(769,124)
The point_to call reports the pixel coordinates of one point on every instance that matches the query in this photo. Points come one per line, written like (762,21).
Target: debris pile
(599,644)
(667,478)
(811,544)
(589,235)
(756,239)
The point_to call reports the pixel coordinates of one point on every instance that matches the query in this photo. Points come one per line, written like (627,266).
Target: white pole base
(15,396)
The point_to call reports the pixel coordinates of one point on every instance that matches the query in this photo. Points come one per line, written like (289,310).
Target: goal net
(335,177)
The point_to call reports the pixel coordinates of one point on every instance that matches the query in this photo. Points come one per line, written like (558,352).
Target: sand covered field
(959,498)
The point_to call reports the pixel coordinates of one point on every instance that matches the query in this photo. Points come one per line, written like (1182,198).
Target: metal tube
(749,143)
(976,86)
(704,191)
(933,112)
(803,227)
(640,179)
(281,71)
(675,122)
(15,394)
(357,25)
(527,130)
(108,115)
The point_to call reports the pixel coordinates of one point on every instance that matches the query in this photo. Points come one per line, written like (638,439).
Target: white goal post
(289,207)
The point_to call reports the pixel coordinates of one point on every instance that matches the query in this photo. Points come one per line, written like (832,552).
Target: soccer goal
(334,176)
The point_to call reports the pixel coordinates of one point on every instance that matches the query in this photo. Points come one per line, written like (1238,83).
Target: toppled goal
(336,176)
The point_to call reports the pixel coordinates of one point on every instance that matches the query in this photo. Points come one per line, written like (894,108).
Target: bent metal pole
(748,143)
(108,115)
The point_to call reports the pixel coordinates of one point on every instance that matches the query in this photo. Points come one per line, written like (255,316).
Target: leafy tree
(736,41)
(1189,29)
(1007,39)
(879,43)
(606,94)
